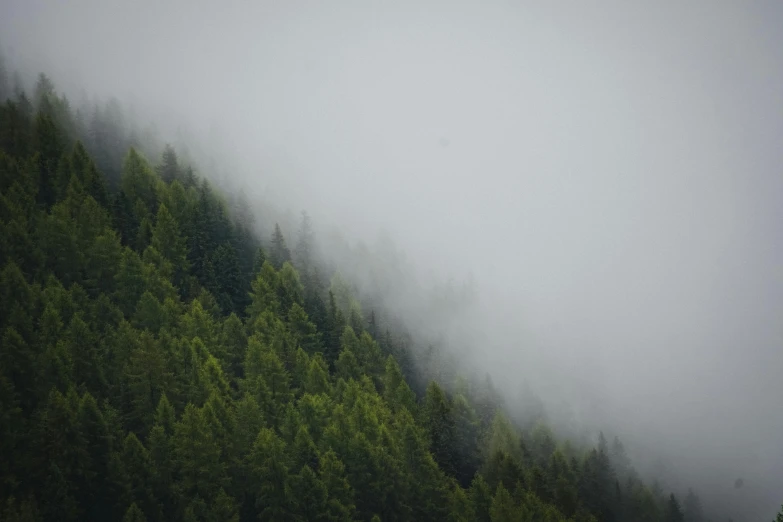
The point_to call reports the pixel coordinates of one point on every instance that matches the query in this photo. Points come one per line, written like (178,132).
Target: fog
(611,178)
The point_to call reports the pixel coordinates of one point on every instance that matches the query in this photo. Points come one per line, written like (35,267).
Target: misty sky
(612,177)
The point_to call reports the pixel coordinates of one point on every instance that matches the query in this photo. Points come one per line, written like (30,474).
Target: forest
(160,361)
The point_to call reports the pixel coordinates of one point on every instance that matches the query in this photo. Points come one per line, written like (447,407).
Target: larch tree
(278,250)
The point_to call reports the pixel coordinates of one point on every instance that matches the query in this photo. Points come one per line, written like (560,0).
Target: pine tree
(278,251)
(304,248)
(102,264)
(503,508)
(134,514)
(258,260)
(335,325)
(250,420)
(16,131)
(693,511)
(304,452)
(197,455)
(223,508)
(96,497)
(62,454)
(137,473)
(145,379)
(12,432)
(347,366)
(396,390)
(87,361)
(169,167)
(481,498)
(437,417)
(264,295)
(226,283)
(129,282)
(5,86)
(305,333)
(138,185)
(87,173)
(289,289)
(673,510)
(311,496)
(167,240)
(49,141)
(619,459)
(465,440)
(162,462)
(234,339)
(372,326)
(19,365)
(269,468)
(58,502)
(460,506)
(267,379)
(317,380)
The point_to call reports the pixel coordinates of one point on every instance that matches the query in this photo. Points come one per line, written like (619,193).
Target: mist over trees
(162,360)
(576,209)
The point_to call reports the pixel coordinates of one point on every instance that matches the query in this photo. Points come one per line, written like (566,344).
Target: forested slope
(160,362)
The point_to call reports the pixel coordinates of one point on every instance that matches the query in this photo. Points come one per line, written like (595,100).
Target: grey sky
(611,174)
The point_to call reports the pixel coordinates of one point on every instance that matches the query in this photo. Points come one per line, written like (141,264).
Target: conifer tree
(481,497)
(503,508)
(169,167)
(5,85)
(269,467)
(278,251)
(692,509)
(168,241)
(673,511)
(304,248)
(438,419)
(197,456)
(134,514)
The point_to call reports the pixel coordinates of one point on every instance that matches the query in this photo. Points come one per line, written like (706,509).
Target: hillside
(160,362)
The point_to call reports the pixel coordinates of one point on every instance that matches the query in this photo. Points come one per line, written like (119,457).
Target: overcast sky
(611,174)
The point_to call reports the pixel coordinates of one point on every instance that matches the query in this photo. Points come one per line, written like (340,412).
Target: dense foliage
(158,363)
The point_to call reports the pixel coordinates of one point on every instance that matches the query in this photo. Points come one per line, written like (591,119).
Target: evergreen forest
(161,361)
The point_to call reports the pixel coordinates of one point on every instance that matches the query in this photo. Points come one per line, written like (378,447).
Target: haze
(612,177)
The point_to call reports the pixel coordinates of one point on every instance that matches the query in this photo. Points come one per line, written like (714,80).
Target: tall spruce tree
(278,251)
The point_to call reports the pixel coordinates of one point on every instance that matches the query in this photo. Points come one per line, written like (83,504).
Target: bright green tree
(167,239)
(270,470)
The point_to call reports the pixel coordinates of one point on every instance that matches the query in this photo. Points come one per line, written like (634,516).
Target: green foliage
(317,378)
(270,471)
(169,169)
(278,251)
(156,364)
(304,332)
(134,514)
(138,185)
(503,507)
(168,241)
(673,511)
(692,508)
(438,419)
(197,455)
(481,498)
